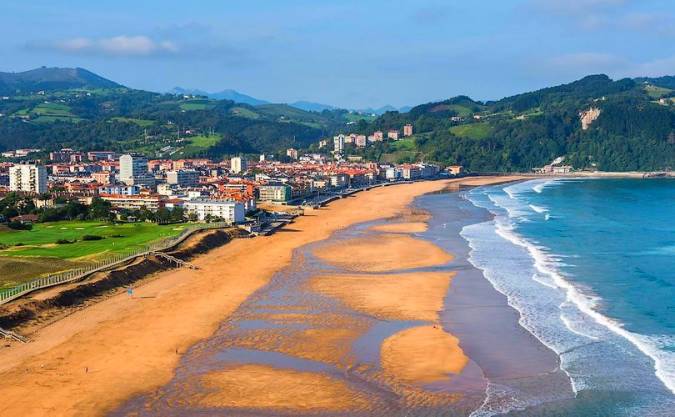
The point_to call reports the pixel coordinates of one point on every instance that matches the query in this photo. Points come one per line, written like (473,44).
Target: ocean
(589,265)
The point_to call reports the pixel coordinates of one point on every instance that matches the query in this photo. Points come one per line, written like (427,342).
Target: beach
(99,358)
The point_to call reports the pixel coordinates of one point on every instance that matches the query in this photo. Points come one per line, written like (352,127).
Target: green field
(200,144)
(41,241)
(244,112)
(39,253)
(197,105)
(657,92)
(52,112)
(139,122)
(473,131)
(407,144)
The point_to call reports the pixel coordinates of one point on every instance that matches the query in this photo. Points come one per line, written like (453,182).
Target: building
(378,136)
(292,153)
(278,193)
(408,130)
(103,177)
(455,169)
(228,211)
(183,178)
(134,202)
(238,165)
(360,141)
(60,156)
(28,178)
(392,134)
(101,156)
(339,143)
(134,171)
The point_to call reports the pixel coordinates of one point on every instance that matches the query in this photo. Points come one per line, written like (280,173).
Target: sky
(348,53)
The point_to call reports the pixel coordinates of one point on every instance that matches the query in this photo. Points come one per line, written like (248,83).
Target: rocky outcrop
(588,117)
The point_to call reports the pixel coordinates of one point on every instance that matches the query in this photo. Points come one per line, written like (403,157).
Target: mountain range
(238,97)
(594,122)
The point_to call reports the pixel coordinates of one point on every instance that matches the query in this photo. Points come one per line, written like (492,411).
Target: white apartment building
(238,165)
(134,171)
(338,143)
(228,211)
(28,178)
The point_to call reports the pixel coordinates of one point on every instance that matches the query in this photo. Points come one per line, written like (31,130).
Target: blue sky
(347,53)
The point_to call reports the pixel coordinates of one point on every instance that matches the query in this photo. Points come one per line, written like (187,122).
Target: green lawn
(407,144)
(41,241)
(200,144)
(473,130)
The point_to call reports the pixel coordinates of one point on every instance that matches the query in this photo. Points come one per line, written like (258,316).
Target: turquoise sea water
(590,266)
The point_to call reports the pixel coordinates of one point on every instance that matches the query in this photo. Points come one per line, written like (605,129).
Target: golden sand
(383,253)
(416,296)
(91,361)
(264,387)
(411,227)
(422,355)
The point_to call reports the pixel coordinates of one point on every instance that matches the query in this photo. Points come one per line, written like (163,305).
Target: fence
(117,259)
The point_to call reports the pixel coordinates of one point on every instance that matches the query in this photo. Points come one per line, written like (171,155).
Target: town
(136,188)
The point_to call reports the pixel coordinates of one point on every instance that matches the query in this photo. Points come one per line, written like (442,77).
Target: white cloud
(122,45)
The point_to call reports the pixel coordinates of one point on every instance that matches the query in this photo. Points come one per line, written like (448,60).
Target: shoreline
(122,346)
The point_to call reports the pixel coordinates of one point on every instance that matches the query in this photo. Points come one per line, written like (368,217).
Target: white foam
(538,209)
(652,346)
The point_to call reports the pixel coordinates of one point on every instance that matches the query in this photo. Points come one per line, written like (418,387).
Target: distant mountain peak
(52,78)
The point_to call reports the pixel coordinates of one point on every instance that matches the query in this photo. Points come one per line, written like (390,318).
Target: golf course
(58,246)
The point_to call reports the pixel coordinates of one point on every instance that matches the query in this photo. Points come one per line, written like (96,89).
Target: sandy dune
(383,253)
(422,355)
(416,296)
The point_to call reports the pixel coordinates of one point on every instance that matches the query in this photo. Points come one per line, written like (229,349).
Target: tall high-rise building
(28,178)
(134,170)
(339,143)
(238,165)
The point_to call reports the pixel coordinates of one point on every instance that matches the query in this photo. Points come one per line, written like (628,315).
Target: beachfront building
(134,170)
(28,178)
(238,165)
(280,193)
(227,211)
(183,178)
(134,202)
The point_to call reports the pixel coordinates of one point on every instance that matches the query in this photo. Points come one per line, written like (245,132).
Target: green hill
(635,129)
(52,108)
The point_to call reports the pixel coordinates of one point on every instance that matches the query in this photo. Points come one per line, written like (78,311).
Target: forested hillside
(51,108)
(635,129)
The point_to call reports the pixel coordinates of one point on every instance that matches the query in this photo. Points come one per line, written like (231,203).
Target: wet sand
(265,387)
(411,227)
(90,362)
